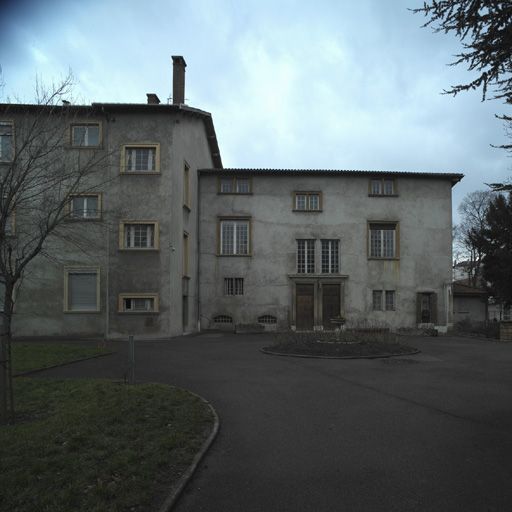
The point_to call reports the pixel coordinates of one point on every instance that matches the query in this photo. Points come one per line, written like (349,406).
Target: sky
(290,84)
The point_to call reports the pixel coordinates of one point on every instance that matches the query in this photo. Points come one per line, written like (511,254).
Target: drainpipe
(198,242)
(107,259)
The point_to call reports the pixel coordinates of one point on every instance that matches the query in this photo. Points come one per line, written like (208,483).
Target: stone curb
(175,493)
(414,352)
(37,370)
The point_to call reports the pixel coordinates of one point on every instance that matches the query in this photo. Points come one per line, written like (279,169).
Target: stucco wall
(39,308)
(422,209)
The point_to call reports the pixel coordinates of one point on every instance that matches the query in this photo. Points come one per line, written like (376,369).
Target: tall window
(139,235)
(307,201)
(233,286)
(382,187)
(185,254)
(377,300)
(390,300)
(382,240)
(85,135)
(305,256)
(6,141)
(140,158)
(82,290)
(234,185)
(330,256)
(186,185)
(234,237)
(85,206)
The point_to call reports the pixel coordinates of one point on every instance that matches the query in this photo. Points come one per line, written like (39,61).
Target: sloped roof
(453,177)
(462,288)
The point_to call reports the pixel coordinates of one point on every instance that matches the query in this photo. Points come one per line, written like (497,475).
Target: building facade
(168,242)
(300,248)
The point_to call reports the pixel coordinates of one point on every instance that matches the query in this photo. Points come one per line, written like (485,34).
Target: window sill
(140,173)
(138,312)
(100,147)
(382,195)
(234,193)
(234,255)
(84,219)
(139,249)
(307,211)
(383,259)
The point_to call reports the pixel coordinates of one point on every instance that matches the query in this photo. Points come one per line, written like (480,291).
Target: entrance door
(305,306)
(426,308)
(330,304)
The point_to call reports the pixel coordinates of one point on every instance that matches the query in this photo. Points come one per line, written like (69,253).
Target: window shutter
(418,308)
(82,291)
(433,308)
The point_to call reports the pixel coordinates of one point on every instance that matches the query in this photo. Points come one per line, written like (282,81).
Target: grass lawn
(97,445)
(323,344)
(30,356)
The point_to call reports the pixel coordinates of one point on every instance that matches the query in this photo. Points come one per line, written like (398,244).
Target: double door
(327,302)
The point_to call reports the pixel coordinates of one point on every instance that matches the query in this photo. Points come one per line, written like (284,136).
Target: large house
(178,243)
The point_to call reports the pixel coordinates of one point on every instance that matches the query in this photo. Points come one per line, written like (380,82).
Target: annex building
(177,243)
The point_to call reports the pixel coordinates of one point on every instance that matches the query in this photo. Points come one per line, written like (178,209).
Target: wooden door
(305,306)
(330,304)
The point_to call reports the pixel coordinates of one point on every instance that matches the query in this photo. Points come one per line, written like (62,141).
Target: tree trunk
(6,392)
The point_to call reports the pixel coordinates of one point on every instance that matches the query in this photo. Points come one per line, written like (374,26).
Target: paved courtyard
(431,432)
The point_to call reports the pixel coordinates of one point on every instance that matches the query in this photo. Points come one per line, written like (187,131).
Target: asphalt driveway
(431,432)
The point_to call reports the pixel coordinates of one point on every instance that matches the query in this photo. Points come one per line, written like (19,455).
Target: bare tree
(473,210)
(38,174)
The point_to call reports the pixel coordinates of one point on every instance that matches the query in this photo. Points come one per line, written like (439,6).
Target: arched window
(223,319)
(267,319)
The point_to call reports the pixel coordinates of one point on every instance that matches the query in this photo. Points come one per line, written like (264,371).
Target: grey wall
(422,208)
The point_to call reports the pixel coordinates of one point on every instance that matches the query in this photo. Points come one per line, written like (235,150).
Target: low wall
(506,330)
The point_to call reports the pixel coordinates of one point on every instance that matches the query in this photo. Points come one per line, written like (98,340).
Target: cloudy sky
(323,84)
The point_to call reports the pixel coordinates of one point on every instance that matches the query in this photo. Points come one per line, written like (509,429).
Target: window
(81,289)
(85,135)
(234,237)
(223,319)
(6,141)
(85,206)
(389,300)
(267,319)
(185,254)
(330,256)
(138,303)
(305,256)
(234,185)
(140,158)
(138,235)
(2,297)
(383,240)
(186,185)
(307,201)
(233,286)
(382,187)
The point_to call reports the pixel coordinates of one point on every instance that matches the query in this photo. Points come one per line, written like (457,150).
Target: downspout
(198,242)
(107,263)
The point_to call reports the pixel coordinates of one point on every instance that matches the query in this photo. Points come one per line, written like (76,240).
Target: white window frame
(81,270)
(306,252)
(124,297)
(331,256)
(377,187)
(307,198)
(231,185)
(235,249)
(124,243)
(85,215)
(376,232)
(86,125)
(135,146)
(8,158)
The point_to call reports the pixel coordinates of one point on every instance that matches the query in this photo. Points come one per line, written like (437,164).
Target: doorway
(305,306)
(330,304)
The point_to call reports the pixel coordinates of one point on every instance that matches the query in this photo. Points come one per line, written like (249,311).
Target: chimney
(178,79)
(153,99)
